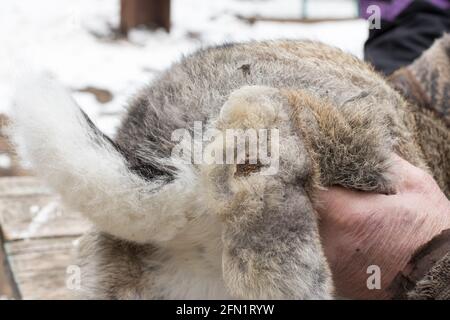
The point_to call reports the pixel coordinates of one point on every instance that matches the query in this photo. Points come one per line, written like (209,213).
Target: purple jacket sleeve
(390,9)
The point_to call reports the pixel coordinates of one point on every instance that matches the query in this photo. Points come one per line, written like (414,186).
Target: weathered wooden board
(8,287)
(12,166)
(39,234)
(38,216)
(40,266)
(22,186)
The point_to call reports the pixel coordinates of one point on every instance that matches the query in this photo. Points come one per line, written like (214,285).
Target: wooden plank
(8,154)
(39,234)
(254,19)
(22,186)
(29,210)
(8,287)
(40,266)
(39,217)
(150,13)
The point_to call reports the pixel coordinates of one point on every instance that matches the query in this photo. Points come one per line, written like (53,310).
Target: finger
(406,176)
(337,203)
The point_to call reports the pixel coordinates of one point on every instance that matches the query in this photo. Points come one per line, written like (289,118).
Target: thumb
(406,176)
(337,203)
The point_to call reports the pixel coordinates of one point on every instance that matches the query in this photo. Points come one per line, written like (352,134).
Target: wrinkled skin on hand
(360,229)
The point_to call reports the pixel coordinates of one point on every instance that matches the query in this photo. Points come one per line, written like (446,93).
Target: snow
(41,216)
(73,40)
(5,161)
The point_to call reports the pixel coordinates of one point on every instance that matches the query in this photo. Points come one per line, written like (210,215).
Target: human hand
(361,229)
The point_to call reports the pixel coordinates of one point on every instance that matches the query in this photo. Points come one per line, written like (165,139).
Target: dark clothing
(427,275)
(407,29)
(404,44)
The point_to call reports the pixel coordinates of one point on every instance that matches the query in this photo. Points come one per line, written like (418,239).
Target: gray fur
(237,233)
(346,115)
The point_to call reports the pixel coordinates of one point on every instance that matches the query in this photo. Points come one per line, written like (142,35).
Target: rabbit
(169,229)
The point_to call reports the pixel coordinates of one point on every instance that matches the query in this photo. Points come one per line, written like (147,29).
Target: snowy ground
(72,39)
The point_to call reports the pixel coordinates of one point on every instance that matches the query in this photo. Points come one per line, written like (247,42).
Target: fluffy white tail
(80,163)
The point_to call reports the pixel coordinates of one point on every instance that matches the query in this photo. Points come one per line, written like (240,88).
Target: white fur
(93,177)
